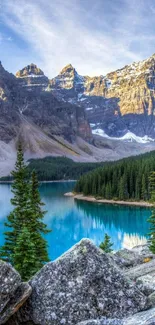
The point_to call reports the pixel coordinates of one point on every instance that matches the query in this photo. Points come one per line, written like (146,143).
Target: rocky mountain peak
(30,70)
(32,77)
(68,69)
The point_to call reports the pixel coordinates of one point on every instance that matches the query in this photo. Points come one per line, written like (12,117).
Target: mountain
(123,101)
(83,118)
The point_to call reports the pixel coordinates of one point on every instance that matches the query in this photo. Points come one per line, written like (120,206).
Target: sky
(95,36)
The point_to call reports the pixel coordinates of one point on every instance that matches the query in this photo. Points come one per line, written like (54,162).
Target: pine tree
(17,217)
(25,247)
(152,232)
(152,186)
(36,225)
(24,256)
(152,218)
(121,189)
(144,188)
(106,244)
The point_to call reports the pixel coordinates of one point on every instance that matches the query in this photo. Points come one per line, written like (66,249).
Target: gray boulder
(141,270)
(133,257)
(82,284)
(152,299)
(13,293)
(146,283)
(143,318)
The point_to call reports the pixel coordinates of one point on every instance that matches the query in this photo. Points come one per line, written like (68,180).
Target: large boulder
(82,284)
(13,293)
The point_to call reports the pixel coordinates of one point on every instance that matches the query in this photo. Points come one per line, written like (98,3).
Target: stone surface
(82,284)
(146,283)
(133,257)
(102,321)
(141,270)
(152,298)
(13,293)
(143,318)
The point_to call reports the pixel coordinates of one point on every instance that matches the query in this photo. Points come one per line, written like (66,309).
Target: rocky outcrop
(82,284)
(13,293)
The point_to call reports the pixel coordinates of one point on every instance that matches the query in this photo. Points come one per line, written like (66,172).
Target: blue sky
(95,36)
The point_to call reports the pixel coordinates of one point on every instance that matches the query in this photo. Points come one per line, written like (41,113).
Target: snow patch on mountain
(129,136)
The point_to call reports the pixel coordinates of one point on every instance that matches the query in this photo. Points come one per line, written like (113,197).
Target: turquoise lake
(71,220)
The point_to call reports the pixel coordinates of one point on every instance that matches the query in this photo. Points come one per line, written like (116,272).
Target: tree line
(57,168)
(127,179)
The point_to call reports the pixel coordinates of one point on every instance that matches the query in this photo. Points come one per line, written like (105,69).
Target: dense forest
(57,168)
(126,179)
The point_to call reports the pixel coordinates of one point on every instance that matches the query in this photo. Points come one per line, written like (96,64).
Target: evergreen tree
(17,217)
(25,247)
(152,232)
(144,188)
(24,256)
(152,186)
(152,218)
(36,226)
(106,244)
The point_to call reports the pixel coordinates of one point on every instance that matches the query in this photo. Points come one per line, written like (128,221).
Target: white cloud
(63,32)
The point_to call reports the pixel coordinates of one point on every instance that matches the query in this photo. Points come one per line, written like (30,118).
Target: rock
(146,283)
(13,293)
(143,318)
(152,299)
(82,284)
(102,321)
(141,270)
(133,257)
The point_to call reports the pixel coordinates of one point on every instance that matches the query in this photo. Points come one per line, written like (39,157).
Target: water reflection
(72,220)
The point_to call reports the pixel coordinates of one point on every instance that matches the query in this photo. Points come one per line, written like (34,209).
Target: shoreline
(105,201)
(58,181)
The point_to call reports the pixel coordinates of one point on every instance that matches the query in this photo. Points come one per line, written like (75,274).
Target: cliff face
(121,101)
(9,120)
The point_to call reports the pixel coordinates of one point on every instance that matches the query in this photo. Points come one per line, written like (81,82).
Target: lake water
(72,220)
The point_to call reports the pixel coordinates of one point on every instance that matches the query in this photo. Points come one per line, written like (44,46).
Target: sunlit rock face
(31,76)
(121,101)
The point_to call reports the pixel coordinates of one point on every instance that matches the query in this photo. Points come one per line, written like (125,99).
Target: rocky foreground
(84,286)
